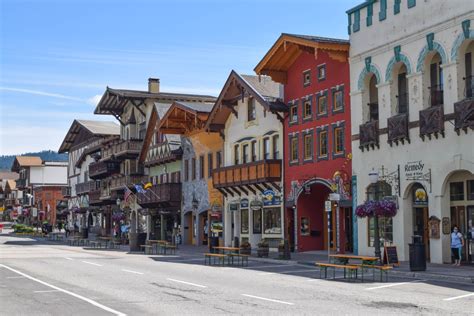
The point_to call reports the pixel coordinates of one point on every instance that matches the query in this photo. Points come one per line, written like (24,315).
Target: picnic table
(106,239)
(161,246)
(226,253)
(344,259)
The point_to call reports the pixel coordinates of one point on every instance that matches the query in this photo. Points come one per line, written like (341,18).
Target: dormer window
(251,112)
(306,78)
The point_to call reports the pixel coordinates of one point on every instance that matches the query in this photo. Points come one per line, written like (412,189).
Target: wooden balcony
(94,197)
(102,169)
(66,192)
(164,195)
(369,135)
(464,115)
(123,149)
(259,172)
(119,183)
(86,187)
(398,129)
(432,122)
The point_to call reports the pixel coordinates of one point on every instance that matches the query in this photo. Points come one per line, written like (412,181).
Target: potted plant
(263,249)
(245,248)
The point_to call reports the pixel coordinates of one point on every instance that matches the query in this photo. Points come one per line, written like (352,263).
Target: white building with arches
(412,106)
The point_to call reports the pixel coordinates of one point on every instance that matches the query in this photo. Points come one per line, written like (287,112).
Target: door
(348,230)
(421,228)
(458,218)
(290,219)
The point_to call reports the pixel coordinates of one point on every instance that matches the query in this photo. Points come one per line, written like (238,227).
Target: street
(39,278)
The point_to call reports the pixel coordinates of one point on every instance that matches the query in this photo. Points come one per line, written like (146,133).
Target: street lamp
(374,180)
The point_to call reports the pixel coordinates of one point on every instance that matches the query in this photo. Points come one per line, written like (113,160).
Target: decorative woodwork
(369,135)
(398,129)
(86,187)
(247,174)
(464,115)
(161,195)
(432,122)
(102,169)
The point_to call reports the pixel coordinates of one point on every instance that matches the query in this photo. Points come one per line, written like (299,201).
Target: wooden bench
(219,256)
(324,266)
(240,258)
(96,243)
(146,248)
(116,243)
(383,270)
(171,248)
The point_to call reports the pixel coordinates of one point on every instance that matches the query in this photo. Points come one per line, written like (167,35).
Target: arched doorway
(420,215)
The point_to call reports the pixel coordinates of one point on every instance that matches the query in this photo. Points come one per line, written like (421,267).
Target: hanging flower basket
(384,208)
(117,217)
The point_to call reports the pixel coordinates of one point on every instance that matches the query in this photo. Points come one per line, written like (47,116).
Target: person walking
(457,242)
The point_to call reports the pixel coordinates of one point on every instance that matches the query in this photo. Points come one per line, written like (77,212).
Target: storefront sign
(233,207)
(420,198)
(414,169)
(244,203)
(328,206)
(270,198)
(256,204)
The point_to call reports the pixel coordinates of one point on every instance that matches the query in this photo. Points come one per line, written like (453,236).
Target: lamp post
(374,180)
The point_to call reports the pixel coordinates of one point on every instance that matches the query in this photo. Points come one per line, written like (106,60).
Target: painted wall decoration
(433,224)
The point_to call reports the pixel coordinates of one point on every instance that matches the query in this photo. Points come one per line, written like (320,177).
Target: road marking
(130,271)
(188,283)
(88,300)
(458,297)
(16,277)
(393,284)
(47,291)
(289,272)
(94,264)
(268,299)
(67,258)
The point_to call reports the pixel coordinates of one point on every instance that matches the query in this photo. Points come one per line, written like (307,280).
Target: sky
(58,56)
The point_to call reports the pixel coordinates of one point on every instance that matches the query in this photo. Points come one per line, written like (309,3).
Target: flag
(147,185)
(127,194)
(139,188)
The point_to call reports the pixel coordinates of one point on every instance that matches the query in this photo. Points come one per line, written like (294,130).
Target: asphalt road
(38,278)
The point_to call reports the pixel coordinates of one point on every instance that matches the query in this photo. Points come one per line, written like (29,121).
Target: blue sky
(57,56)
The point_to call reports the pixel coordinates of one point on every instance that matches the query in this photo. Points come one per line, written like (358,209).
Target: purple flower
(384,208)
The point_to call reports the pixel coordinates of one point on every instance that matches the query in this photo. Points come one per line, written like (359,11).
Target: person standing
(457,242)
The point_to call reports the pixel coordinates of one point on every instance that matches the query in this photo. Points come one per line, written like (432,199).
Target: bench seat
(219,256)
(352,269)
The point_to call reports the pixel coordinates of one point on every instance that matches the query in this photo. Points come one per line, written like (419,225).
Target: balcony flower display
(384,208)
(117,217)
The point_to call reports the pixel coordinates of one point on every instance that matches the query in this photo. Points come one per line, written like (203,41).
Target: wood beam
(260,187)
(137,105)
(275,186)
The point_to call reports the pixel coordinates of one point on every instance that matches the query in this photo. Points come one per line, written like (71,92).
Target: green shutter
(383,10)
(349,24)
(396,7)
(411,3)
(356,26)
(370,12)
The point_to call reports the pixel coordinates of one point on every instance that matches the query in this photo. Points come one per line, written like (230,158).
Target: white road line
(16,277)
(393,284)
(458,297)
(94,264)
(130,271)
(67,258)
(268,299)
(88,300)
(47,291)
(188,283)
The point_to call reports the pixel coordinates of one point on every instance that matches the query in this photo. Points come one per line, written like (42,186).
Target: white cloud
(94,100)
(42,93)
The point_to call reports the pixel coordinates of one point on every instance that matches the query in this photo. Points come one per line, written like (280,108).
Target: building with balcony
(201,215)
(412,120)
(249,115)
(84,142)
(317,146)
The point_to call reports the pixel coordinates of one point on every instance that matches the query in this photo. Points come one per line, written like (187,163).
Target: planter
(262,252)
(246,251)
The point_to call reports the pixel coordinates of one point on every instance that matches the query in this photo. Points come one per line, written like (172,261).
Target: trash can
(417,254)
(85,233)
(213,242)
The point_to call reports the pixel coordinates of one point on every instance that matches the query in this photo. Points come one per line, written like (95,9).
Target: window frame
(307,117)
(210,164)
(323,68)
(461,195)
(384,224)
(236,154)
(255,214)
(321,131)
(193,168)
(307,83)
(276,210)
(275,140)
(245,153)
(251,110)
(218,159)
(186,170)
(342,128)
(320,95)
(294,138)
(334,91)
(293,108)
(242,221)
(309,136)
(201,167)
(266,155)
(253,151)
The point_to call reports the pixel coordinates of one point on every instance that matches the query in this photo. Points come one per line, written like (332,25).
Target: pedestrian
(66,229)
(457,242)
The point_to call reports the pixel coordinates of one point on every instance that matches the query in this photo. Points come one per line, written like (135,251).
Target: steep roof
(11,184)
(288,47)
(25,161)
(5,175)
(184,117)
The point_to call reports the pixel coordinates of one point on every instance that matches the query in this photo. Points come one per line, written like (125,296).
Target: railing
(432,121)
(250,173)
(123,181)
(436,95)
(369,134)
(402,100)
(102,169)
(464,115)
(163,193)
(66,191)
(122,149)
(86,187)
(94,197)
(469,86)
(397,128)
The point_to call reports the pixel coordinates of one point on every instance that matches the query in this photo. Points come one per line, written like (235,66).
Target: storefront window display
(272,220)
(385,230)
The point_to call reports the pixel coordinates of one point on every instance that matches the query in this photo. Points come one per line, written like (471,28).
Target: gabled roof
(265,91)
(95,128)
(184,117)
(25,161)
(5,175)
(11,185)
(288,47)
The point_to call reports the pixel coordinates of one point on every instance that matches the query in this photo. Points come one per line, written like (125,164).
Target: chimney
(154,85)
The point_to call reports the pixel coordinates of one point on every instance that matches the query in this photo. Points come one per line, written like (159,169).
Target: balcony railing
(464,115)
(66,191)
(123,149)
(397,128)
(369,135)
(432,121)
(86,187)
(102,169)
(436,95)
(21,183)
(163,195)
(94,197)
(469,88)
(250,173)
(121,182)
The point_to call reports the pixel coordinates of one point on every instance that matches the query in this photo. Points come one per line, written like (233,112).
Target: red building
(317,143)
(47,199)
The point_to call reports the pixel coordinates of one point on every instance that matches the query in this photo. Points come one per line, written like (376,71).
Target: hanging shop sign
(270,198)
(446,226)
(416,171)
(244,203)
(233,207)
(420,198)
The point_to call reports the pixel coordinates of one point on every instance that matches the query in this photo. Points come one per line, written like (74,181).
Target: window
(257,221)
(201,167)
(236,154)
(323,144)
(396,6)
(322,105)
(470,190)
(337,100)
(338,140)
(272,220)
(307,109)
(304,228)
(308,147)
(276,153)
(306,78)
(294,114)
(383,10)
(321,72)
(193,169)
(411,3)
(245,153)
(186,170)
(244,221)
(266,148)
(294,149)
(209,165)
(251,111)
(356,26)
(254,150)
(385,230)
(456,190)
(218,159)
